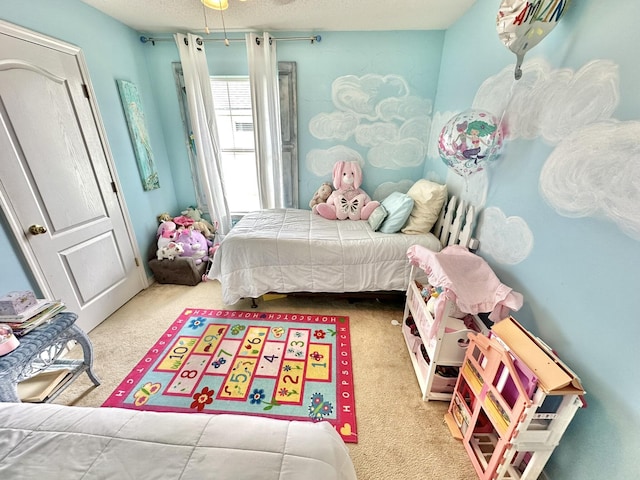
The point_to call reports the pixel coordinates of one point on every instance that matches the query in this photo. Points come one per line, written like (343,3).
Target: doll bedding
(63,442)
(290,250)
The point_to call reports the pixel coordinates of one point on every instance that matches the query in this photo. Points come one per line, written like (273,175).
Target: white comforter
(289,250)
(47,441)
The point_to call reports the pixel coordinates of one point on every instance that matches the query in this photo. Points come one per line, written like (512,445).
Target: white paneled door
(57,182)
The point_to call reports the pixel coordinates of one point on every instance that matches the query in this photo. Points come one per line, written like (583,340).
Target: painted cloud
(381,115)
(592,169)
(507,239)
(551,103)
(595,172)
(321,162)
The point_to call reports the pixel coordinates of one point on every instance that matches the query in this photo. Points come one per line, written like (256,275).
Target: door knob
(37,229)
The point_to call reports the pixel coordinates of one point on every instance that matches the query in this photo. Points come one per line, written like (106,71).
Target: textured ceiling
(170,16)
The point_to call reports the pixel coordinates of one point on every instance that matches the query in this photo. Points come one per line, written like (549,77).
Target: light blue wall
(581,274)
(112,51)
(581,277)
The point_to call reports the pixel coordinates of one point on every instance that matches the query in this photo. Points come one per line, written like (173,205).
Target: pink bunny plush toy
(348,200)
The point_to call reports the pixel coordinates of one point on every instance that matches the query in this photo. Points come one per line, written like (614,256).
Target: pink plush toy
(348,201)
(195,245)
(166,233)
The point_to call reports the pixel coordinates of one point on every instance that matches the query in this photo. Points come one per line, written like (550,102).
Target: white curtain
(203,122)
(263,78)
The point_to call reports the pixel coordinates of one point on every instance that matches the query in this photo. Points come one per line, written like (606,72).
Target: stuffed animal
(348,200)
(171,250)
(164,217)
(202,227)
(183,221)
(196,215)
(167,232)
(321,195)
(195,245)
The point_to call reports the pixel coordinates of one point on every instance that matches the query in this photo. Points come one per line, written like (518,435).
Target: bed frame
(454,227)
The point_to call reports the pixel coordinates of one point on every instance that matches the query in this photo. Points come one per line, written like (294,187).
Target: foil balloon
(469,141)
(523,24)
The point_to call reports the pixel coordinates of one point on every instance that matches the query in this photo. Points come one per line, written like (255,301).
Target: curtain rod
(312,39)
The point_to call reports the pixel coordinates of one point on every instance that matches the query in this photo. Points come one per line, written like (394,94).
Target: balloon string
(506,107)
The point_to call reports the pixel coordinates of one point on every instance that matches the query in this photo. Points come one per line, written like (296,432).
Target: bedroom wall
(378,71)
(112,51)
(578,274)
(561,220)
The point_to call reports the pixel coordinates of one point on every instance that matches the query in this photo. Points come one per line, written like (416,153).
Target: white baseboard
(543,476)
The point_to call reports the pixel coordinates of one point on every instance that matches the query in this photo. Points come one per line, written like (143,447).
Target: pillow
(428,199)
(398,206)
(376,217)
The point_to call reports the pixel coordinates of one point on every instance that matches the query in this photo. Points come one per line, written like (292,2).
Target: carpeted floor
(399,436)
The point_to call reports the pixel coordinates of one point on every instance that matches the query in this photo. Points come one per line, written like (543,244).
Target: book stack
(41,386)
(40,312)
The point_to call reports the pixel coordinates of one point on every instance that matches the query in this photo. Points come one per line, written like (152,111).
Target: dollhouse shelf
(512,403)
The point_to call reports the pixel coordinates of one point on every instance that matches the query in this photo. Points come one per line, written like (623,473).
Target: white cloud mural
(361,95)
(551,103)
(334,125)
(321,162)
(381,115)
(507,239)
(596,159)
(406,152)
(595,171)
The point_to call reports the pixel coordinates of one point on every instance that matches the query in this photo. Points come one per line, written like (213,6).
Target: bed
(293,251)
(65,442)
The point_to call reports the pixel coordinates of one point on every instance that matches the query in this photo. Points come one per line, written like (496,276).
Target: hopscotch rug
(278,365)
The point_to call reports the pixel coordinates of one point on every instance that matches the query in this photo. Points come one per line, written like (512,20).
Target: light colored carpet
(399,436)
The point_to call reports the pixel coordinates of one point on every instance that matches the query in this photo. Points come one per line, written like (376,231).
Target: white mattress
(290,250)
(48,441)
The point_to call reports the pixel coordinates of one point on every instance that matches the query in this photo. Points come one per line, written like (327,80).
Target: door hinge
(113,187)
(137,262)
(85,90)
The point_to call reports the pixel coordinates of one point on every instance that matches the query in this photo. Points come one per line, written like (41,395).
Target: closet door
(57,189)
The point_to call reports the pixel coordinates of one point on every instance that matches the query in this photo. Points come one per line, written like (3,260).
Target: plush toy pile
(187,235)
(348,200)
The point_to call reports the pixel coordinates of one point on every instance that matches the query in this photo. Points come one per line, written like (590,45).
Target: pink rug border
(346,417)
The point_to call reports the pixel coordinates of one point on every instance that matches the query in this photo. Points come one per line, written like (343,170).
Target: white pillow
(428,199)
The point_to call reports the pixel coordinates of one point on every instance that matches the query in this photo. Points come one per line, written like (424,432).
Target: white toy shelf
(436,332)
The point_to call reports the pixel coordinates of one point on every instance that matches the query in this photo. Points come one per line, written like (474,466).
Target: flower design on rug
(205,397)
(319,408)
(257,396)
(319,334)
(197,322)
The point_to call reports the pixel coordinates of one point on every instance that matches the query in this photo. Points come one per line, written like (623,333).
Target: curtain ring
(186,41)
(270,40)
(258,41)
(199,41)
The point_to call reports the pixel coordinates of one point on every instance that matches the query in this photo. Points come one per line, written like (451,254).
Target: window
(232,101)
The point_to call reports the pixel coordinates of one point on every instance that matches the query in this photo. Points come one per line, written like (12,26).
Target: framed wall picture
(139,136)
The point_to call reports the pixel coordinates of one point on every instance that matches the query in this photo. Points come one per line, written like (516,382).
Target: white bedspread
(289,250)
(39,441)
